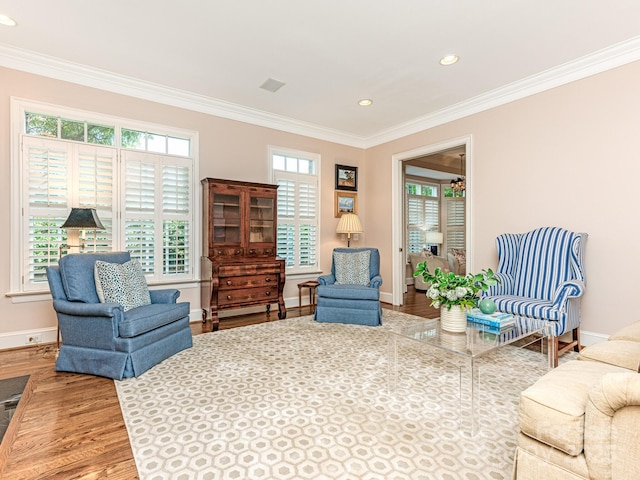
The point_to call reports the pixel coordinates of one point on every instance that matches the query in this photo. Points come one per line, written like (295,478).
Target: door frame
(397,205)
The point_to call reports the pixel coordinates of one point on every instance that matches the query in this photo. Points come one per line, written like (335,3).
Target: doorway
(399,161)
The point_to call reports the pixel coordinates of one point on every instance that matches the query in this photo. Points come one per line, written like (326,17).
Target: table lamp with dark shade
(82,219)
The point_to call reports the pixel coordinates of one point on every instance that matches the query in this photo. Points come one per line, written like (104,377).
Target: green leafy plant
(448,289)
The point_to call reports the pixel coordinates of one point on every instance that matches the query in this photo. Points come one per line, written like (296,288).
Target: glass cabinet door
(226,218)
(261,219)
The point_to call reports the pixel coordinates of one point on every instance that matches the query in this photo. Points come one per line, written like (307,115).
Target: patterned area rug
(295,399)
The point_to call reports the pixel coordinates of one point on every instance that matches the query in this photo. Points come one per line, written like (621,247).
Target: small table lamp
(349,223)
(82,219)
(435,239)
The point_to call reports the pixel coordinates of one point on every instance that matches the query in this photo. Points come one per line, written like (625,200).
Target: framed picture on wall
(345,203)
(346,178)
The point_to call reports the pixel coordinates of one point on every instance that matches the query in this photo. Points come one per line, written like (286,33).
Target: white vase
(454,320)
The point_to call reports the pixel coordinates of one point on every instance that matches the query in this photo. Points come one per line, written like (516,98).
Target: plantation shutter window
(141,184)
(158,213)
(422,214)
(297,232)
(455,223)
(58,175)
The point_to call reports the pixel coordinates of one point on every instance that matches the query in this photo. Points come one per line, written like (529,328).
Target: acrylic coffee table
(464,349)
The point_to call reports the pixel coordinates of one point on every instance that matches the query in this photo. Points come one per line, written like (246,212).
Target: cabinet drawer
(261,252)
(227,253)
(250,281)
(248,295)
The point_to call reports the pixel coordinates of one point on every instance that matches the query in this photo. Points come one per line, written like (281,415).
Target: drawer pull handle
(228,297)
(267,293)
(236,252)
(267,279)
(229,282)
(252,252)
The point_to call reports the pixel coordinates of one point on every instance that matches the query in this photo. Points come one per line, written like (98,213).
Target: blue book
(496,319)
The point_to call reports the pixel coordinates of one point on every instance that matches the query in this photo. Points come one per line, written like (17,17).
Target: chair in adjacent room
(114,339)
(542,277)
(351,293)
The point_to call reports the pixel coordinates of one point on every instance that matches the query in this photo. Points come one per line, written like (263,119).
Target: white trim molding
(605,59)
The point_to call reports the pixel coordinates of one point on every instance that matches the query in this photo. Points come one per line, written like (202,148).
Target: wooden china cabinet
(239,263)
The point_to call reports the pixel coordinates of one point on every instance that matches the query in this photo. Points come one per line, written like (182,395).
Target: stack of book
(496,321)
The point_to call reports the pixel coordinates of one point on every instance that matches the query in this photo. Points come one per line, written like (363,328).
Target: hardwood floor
(69,426)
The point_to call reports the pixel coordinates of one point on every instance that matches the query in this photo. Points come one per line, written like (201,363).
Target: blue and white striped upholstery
(542,276)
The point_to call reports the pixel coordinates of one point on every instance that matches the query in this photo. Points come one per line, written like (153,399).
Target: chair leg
(553,351)
(576,338)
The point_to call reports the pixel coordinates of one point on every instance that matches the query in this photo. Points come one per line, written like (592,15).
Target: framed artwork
(345,203)
(346,178)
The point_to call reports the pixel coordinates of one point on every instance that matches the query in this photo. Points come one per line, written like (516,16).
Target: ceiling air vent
(272,85)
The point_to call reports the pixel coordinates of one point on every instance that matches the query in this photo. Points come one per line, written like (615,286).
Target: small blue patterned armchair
(351,294)
(107,339)
(542,275)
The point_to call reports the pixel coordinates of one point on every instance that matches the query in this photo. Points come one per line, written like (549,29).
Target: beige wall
(563,157)
(228,149)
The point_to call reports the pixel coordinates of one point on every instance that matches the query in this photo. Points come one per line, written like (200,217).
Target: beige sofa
(582,419)
(433,262)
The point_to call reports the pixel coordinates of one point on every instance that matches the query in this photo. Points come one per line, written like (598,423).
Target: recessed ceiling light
(7,21)
(449,59)
(365,102)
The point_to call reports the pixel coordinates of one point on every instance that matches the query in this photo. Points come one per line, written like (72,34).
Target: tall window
(422,213)
(455,222)
(141,181)
(296,174)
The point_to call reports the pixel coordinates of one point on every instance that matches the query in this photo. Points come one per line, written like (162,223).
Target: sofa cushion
(143,319)
(76,272)
(552,410)
(630,333)
(352,268)
(623,353)
(121,283)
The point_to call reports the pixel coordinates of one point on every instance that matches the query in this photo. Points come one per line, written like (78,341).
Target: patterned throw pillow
(460,254)
(122,283)
(352,268)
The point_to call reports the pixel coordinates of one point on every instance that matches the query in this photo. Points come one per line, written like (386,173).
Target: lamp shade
(434,237)
(83,218)
(349,223)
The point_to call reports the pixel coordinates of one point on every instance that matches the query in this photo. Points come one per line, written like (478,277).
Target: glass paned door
(227,218)
(261,219)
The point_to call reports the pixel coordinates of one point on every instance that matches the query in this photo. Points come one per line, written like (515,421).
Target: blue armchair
(542,275)
(102,338)
(351,294)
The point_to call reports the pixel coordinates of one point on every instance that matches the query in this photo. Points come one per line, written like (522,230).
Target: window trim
(18,107)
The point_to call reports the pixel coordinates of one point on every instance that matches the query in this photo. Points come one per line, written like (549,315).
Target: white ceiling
(213,55)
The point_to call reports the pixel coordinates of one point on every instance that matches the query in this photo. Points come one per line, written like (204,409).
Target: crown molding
(28,61)
(594,63)
(597,62)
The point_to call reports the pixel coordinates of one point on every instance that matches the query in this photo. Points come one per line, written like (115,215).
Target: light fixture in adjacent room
(349,223)
(449,59)
(7,21)
(82,219)
(459,184)
(365,102)
(434,239)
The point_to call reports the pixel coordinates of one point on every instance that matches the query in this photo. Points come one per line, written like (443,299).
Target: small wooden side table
(311,285)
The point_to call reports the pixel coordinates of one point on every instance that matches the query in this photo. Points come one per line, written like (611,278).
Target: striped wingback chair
(542,277)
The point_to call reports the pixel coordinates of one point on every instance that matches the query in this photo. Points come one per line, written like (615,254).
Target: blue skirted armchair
(105,339)
(351,293)
(542,277)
